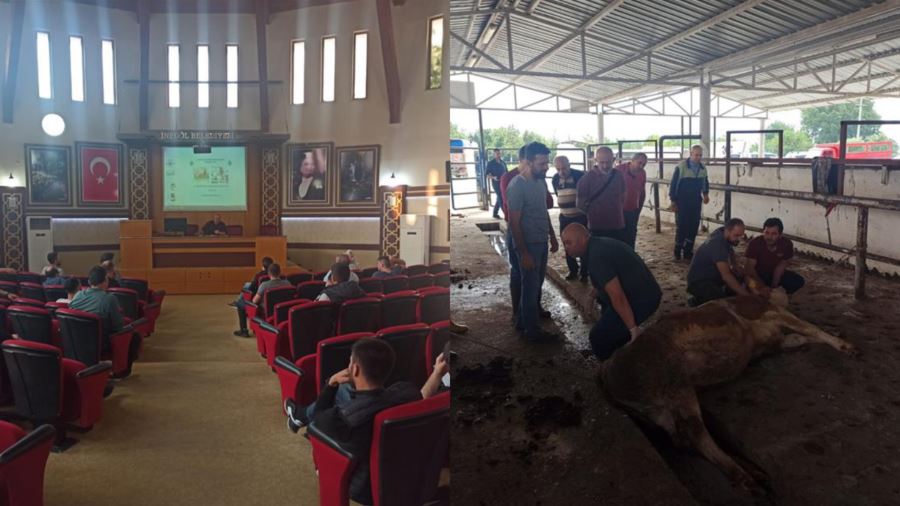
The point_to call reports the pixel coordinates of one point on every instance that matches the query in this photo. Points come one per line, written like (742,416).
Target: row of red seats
(50,293)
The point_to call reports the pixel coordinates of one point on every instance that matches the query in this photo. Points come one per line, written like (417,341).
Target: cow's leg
(689,426)
(806,332)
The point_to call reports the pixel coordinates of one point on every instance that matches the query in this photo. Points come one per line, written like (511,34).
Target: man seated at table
(215,226)
(98,301)
(384,268)
(340,286)
(275,280)
(767,260)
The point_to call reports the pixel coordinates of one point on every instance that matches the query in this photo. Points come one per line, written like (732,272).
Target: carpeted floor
(198,422)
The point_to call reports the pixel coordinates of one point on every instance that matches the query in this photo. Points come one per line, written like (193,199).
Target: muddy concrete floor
(530,426)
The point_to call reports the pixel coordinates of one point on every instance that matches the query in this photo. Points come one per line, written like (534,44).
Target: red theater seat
(439,268)
(306,325)
(439,337)
(302,380)
(280,313)
(51,389)
(30,277)
(300,277)
(133,308)
(22,301)
(32,291)
(359,315)
(442,280)
(370,285)
(409,343)
(410,444)
(33,324)
(142,287)
(367,272)
(309,290)
(421,281)
(416,270)
(320,276)
(82,340)
(52,293)
(434,305)
(9,277)
(399,308)
(22,461)
(10,286)
(236,230)
(393,284)
(256,314)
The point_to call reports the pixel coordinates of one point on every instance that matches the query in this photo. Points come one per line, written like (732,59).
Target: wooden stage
(196,265)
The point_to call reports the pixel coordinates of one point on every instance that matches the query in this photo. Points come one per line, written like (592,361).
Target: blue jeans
(532,284)
(515,276)
(341,398)
(498,205)
(610,332)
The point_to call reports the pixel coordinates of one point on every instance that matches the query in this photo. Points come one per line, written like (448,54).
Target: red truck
(878,150)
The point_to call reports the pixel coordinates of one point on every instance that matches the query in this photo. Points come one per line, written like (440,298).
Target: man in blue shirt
(713,272)
(688,183)
(495,170)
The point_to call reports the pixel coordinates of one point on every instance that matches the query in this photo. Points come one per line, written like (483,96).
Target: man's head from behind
(72,286)
(575,239)
(384,264)
(537,156)
(371,363)
(274,271)
(340,272)
(52,258)
(604,158)
(97,277)
(266,262)
(772,230)
(734,230)
(52,272)
(107,256)
(343,258)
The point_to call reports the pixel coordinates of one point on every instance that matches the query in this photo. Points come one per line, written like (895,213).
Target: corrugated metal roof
(727,37)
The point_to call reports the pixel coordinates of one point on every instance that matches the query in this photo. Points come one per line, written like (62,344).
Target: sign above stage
(205,137)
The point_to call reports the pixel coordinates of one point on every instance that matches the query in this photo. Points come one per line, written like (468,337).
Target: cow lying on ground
(655,375)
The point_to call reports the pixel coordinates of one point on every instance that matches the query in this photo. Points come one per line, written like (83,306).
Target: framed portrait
(308,175)
(358,175)
(99,174)
(48,175)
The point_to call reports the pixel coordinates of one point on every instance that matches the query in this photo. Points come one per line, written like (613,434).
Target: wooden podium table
(196,265)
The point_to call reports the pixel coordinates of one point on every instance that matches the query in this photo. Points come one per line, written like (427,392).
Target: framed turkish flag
(100,179)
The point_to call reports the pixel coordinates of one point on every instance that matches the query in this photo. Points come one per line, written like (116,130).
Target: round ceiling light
(53,125)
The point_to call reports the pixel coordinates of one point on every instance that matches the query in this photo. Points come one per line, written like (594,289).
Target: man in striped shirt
(565,182)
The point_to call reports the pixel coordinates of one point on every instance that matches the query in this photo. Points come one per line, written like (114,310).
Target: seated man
(343,258)
(349,422)
(352,259)
(54,278)
(767,259)
(111,273)
(215,226)
(98,301)
(398,266)
(275,280)
(712,274)
(625,287)
(109,257)
(384,268)
(73,286)
(53,263)
(341,286)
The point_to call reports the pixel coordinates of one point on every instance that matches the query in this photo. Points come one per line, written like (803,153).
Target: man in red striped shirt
(635,194)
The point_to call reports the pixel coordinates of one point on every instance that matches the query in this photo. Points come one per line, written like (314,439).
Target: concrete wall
(801,219)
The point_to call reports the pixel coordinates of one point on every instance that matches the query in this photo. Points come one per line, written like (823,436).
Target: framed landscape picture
(99,174)
(309,174)
(48,175)
(358,175)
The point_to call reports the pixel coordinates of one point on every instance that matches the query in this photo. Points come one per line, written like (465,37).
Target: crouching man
(625,287)
(767,260)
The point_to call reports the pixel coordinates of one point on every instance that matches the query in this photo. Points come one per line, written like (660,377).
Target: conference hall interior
(225,260)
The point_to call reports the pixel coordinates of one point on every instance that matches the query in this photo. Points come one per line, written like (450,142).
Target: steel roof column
(600,131)
(705,107)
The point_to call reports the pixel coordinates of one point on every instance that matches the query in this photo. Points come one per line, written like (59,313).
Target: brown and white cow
(655,375)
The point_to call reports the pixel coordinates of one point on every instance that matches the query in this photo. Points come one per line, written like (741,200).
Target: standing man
(495,170)
(689,182)
(626,289)
(530,225)
(713,271)
(515,277)
(565,182)
(635,194)
(601,196)
(767,259)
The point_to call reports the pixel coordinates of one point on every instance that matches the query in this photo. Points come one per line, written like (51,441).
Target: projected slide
(215,181)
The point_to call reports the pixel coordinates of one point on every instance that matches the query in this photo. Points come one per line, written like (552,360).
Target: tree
(794,140)
(458,133)
(823,124)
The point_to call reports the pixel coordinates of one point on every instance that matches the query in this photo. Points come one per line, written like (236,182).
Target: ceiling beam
(143,11)
(13,54)
(558,75)
(389,57)
(262,22)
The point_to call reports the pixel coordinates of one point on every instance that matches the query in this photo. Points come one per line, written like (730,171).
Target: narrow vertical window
(45,90)
(76,64)
(328,69)
(298,71)
(435,52)
(203,76)
(231,75)
(174,77)
(108,62)
(360,62)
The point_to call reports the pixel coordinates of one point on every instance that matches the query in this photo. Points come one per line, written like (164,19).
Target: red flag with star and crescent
(100,175)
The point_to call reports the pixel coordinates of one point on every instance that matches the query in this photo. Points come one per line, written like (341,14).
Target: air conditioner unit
(40,241)
(415,238)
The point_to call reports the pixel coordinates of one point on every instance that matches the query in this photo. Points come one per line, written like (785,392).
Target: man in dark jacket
(688,183)
(340,287)
(350,423)
(496,168)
